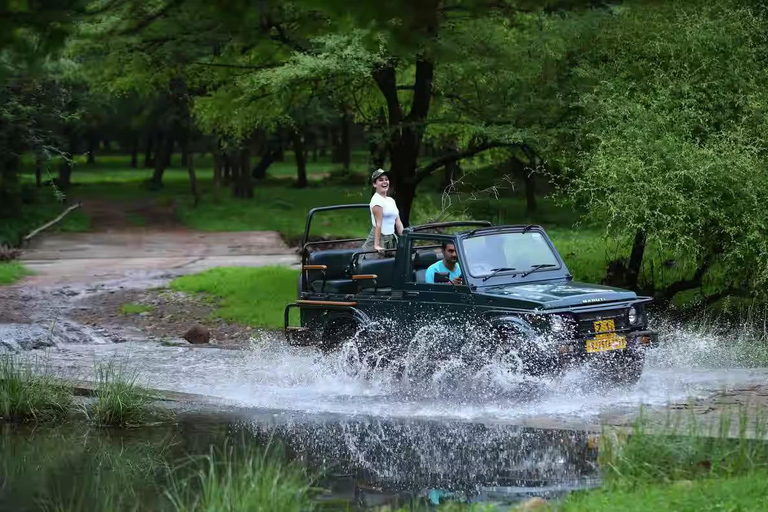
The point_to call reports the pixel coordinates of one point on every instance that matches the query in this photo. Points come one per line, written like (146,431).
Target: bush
(31,392)
(684,454)
(119,400)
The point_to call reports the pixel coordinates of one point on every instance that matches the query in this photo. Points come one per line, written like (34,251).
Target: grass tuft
(249,479)
(134,309)
(251,296)
(736,446)
(119,400)
(31,393)
(12,271)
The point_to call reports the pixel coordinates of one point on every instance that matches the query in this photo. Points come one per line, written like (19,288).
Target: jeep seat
(421,262)
(384,268)
(336,261)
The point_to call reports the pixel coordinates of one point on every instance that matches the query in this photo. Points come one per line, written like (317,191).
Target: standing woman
(385,217)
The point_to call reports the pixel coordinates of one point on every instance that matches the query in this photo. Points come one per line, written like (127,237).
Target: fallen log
(51,223)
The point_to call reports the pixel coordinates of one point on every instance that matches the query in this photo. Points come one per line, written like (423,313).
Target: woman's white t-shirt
(390,210)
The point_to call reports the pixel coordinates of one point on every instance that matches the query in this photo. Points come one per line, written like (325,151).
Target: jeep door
(433,310)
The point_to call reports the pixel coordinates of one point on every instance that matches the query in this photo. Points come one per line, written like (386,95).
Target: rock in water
(198,335)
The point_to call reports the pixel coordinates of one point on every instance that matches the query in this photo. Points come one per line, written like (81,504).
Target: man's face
(449,254)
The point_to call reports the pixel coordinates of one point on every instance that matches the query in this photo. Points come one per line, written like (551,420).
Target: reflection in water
(473,461)
(366,461)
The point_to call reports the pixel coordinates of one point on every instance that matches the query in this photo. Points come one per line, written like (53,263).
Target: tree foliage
(672,133)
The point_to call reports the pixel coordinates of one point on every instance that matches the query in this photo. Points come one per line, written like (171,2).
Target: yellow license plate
(605,338)
(606,342)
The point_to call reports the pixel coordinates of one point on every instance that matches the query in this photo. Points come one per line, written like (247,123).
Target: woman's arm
(378,215)
(398,226)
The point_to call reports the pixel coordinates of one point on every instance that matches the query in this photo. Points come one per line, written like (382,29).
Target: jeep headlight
(559,323)
(633,316)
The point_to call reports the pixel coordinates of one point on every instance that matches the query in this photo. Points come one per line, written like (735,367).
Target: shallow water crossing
(483,432)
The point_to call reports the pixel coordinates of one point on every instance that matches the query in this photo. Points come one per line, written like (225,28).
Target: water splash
(471,384)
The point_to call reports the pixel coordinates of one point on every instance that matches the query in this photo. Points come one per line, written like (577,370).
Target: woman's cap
(377,173)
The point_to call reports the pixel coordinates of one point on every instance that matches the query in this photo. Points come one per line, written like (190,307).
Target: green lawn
(11,272)
(277,205)
(746,493)
(251,296)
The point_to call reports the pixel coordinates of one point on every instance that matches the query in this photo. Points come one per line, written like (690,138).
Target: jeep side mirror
(442,277)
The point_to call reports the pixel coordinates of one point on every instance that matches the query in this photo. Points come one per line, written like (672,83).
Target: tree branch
(688,284)
(423,172)
(148,20)
(386,81)
(422,90)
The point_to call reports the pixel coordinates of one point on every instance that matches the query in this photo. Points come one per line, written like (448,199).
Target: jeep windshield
(507,254)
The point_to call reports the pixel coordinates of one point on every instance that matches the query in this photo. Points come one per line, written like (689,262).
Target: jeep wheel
(337,333)
(623,370)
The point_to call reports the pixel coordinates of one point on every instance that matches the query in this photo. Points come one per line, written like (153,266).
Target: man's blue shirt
(440,267)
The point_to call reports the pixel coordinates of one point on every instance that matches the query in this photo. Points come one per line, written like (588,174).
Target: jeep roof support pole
(305,238)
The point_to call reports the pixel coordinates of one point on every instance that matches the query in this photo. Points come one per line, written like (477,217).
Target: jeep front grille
(586,321)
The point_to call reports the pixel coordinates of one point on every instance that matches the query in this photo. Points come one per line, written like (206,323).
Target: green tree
(671,148)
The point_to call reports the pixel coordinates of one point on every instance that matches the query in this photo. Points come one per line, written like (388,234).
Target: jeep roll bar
(313,211)
(451,224)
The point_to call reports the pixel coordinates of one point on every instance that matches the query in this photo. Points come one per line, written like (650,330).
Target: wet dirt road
(79,258)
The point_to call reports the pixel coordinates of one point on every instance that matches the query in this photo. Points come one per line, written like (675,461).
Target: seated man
(448,265)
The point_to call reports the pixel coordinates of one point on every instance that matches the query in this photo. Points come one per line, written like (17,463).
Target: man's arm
(458,280)
(429,277)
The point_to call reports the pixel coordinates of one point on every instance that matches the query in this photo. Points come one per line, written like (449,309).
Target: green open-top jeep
(517,296)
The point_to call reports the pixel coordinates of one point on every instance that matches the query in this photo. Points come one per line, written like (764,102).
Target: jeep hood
(559,294)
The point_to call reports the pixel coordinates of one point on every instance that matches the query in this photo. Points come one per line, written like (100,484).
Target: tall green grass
(684,449)
(119,400)
(246,480)
(30,392)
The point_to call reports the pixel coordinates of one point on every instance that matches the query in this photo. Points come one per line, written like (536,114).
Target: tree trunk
(301,159)
(530,191)
(227,168)
(149,149)
(135,153)
(217,168)
(192,178)
(169,146)
(345,146)
(336,150)
(93,143)
(246,183)
(164,146)
(636,259)
(452,173)
(10,199)
(184,150)
(260,170)
(529,178)
(242,186)
(65,167)
(65,175)
(406,132)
